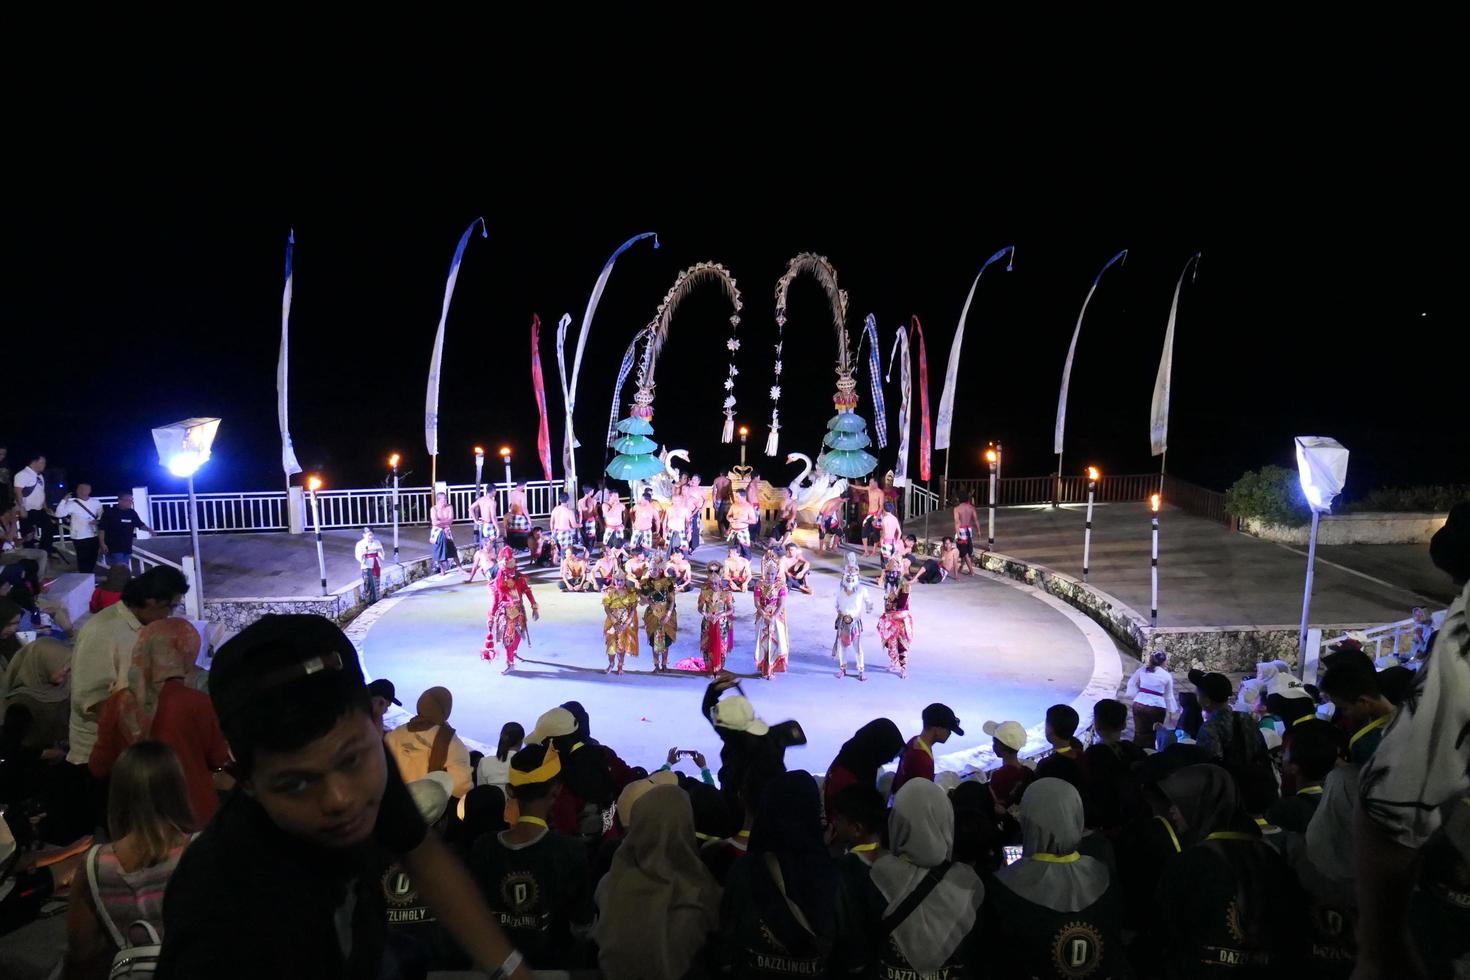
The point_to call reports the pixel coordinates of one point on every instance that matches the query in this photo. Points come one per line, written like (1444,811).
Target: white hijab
(1051,826)
(921,832)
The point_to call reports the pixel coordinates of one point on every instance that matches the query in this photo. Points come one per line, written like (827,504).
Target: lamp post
(505,455)
(1092,477)
(479,468)
(992,456)
(1154,501)
(313,484)
(183,447)
(1322,468)
(744,431)
(393,462)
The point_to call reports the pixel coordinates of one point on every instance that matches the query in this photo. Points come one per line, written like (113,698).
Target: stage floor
(988,647)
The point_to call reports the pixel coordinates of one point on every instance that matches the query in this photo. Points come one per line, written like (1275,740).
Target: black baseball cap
(1214,686)
(384,689)
(940,716)
(276,652)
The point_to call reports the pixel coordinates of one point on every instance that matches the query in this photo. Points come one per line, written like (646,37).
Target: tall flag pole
(431,400)
(288,451)
(1067,372)
(1158,428)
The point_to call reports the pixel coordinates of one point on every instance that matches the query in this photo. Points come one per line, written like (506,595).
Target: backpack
(132,959)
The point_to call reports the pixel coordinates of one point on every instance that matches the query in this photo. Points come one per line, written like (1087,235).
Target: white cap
(431,795)
(1287,686)
(556,722)
(737,714)
(1007,733)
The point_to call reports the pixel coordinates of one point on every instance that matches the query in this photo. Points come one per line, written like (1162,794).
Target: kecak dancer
(482,514)
(517,517)
(965,522)
(587,509)
(851,602)
(575,575)
(694,500)
(829,525)
(602,572)
(680,571)
(645,518)
(737,570)
(620,623)
(507,619)
(717,606)
(612,521)
(563,525)
(676,522)
(896,630)
(770,620)
(660,617)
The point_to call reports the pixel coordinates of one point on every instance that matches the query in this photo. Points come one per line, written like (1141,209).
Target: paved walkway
(1212,576)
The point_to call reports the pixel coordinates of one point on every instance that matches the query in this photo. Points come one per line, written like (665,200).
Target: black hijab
(788,828)
(870,748)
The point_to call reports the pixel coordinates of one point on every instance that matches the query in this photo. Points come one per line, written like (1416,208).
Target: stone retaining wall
(1374,528)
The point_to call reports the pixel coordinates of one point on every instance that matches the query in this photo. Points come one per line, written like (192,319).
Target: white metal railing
(219,512)
(1398,636)
(917,501)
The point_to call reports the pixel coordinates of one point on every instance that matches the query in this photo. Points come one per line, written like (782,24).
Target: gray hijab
(921,834)
(1051,873)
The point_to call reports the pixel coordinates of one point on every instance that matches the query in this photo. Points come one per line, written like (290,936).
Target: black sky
(147,213)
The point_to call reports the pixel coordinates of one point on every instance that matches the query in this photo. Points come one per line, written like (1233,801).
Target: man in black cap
(281,883)
(383,694)
(917,760)
(1230,738)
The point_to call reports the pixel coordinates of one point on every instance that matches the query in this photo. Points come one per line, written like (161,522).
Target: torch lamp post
(313,484)
(479,469)
(992,458)
(1093,475)
(505,457)
(393,463)
(744,432)
(1154,501)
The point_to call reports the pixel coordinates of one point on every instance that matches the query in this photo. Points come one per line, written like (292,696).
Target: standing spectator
(117,528)
(1010,779)
(1114,796)
(1065,759)
(21,564)
(917,761)
(295,852)
(657,869)
(369,554)
(871,747)
(428,744)
(1055,912)
(1231,738)
(536,880)
(746,739)
(1313,751)
(149,822)
(83,513)
(494,770)
(157,704)
(110,590)
(919,914)
(39,680)
(779,911)
(30,494)
(100,662)
(1152,690)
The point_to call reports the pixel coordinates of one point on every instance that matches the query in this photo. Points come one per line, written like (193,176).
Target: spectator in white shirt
(30,494)
(83,512)
(1152,689)
(369,552)
(494,769)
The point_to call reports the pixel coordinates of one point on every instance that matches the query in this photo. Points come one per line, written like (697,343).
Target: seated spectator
(293,704)
(416,941)
(1309,756)
(39,680)
(149,821)
(619,770)
(535,879)
(1113,796)
(1055,912)
(10,616)
(871,748)
(494,770)
(1065,759)
(1010,779)
(1228,897)
(427,743)
(917,761)
(383,693)
(158,704)
(28,882)
(481,812)
(586,786)
(720,855)
(920,908)
(778,915)
(657,870)
(982,828)
(110,589)
(858,816)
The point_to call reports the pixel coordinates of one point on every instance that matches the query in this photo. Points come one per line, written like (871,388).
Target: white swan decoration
(663,483)
(811,494)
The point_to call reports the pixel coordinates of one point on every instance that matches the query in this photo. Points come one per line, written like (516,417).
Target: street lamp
(393,462)
(313,484)
(992,457)
(505,455)
(744,431)
(183,447)
(1154,501)
(1322,467)
(479,468)
(1093,474)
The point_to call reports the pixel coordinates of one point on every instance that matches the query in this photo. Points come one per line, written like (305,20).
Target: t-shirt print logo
(519,892)
(1077,950)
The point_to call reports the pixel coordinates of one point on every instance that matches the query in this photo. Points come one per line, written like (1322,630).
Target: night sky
(145,231)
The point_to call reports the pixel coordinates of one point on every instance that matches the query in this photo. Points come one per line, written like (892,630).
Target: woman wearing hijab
(1054,913)
(779,909)
(920,910)
(39,680)
(658,905)
(871,748)
(10,616)
(158,704)
(428,744)
(1228,898)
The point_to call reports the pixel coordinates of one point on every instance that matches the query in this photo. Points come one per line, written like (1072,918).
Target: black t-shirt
(748,944)
(864,949)
(1023,939)
(538,891)
(119,524)
(247,900)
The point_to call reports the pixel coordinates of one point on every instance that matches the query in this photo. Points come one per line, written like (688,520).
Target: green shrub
(1272,494)
(1434,499)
